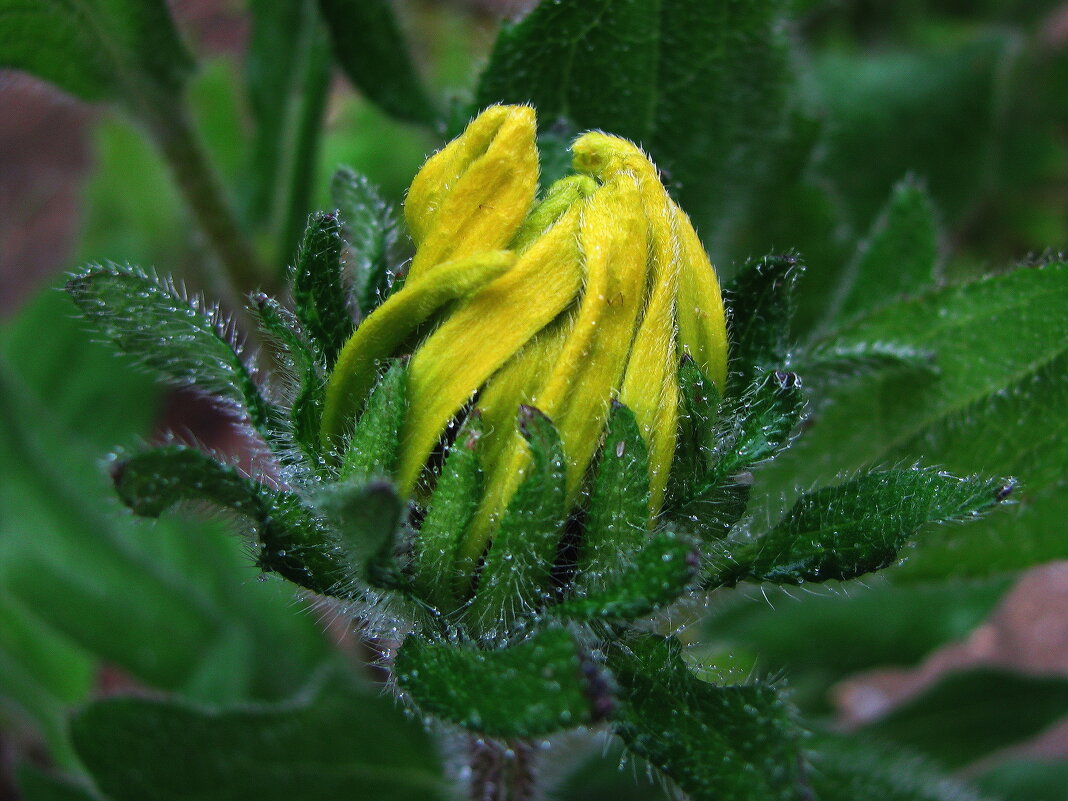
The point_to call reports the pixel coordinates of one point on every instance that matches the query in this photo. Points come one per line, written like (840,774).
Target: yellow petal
(702,325)
(484,206)
(482,334)
(378,336)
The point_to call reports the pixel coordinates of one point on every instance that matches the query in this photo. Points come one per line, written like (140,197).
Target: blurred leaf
(736,742)
(609,775)
(858,527)
(932,113)
(517,572)
(319,297)
(367,516)
(318,746)
(1000,346)
(168,334)
(814,634)
(898,258)
(370,48)
(653,577)
(536,687)
(970,714)
(125,50)
(293,542)
(617,518)
(370,227)
(1024,779)
(761,302)
(849,769)
(36,785)
(701,85)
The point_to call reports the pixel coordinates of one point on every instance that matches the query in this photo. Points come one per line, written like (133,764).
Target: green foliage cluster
(882,382)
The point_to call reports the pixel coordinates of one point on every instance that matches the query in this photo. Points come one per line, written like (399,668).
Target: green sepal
(617,519)
(756,427)
(319,295)
(372,449)
(172,336)
(761,300)
(294,542)
(542,685)
(281,327)
(846,531)
(516,576)
(368,518)
(715,742)
(700,403)
(450,510)
(371,230)
(654,577)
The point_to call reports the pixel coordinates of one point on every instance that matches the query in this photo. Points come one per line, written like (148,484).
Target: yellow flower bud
(473,194)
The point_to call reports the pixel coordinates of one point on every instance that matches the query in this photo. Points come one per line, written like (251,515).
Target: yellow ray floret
(390,325)
(482,334)
(473,195)
(702,325)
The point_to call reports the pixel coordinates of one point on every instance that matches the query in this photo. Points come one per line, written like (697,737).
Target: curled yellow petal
(702,324)
(377,337)
(474,195)
(482,334)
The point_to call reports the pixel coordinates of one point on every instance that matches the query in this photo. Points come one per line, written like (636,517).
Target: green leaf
(316,747)
(372,449)
(843,532)
(1025,779)
(319,297)
(814,635)
(369,46)
(699,412)
(168,334)
(371,229)
(968,715)
(368,517)
(36,785)
(701,85)
(534,688)
(452,506)
(651,578)
(617,518)
(293,542)
(932,112)
(714,742)
(848,769)
(761,301)
(125,50)
(995,404)
(516,575)
(898,258)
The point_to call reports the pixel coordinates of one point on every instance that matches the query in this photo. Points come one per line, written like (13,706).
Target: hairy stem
(502,771)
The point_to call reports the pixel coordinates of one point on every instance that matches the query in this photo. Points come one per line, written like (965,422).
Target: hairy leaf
(370,228)
(372,449)
(761,300)
(536,687)
(368,517)
(318,293)
(617,518)
(316,747)
(700,84)
(651,578)
(294,542)
(171,335)
(736,742)
(860,526)
(517,572)
(370,48)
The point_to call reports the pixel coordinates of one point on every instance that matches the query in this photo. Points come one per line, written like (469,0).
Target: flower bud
(473,194)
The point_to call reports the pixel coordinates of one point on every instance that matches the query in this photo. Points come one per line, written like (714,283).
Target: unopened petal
(702,324)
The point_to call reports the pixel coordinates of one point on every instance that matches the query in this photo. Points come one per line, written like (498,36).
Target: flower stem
(502,771)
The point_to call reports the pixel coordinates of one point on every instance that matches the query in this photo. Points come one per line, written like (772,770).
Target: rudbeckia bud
(473,194)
